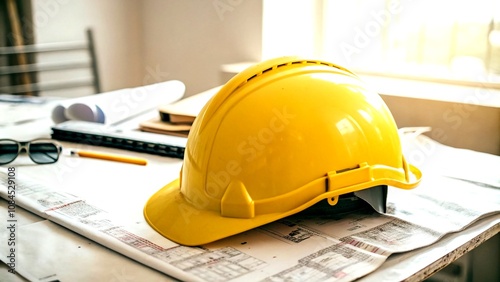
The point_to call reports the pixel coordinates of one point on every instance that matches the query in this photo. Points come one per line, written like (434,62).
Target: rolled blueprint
(114,106)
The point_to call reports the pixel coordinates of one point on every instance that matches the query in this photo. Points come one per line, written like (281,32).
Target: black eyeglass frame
(25,145)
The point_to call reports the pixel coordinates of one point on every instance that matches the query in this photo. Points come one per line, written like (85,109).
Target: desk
(65,254)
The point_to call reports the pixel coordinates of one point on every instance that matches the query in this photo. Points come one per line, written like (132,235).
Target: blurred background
(140,42)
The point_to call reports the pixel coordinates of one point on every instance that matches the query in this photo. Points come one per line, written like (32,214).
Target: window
(445,40)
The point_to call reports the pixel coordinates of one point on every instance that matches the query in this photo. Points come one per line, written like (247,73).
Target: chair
(51,59)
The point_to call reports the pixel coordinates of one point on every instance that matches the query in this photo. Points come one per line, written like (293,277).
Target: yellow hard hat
(279,137)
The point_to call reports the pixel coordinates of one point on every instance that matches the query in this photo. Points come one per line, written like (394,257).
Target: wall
(189,40)
(117,31)
(476,129)
(142,42)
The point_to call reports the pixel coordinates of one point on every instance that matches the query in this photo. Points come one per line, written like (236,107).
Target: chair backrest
(53,67)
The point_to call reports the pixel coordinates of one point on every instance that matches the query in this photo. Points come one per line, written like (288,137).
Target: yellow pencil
(110,157)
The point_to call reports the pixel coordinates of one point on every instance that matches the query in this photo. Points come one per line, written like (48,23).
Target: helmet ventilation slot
(288,64)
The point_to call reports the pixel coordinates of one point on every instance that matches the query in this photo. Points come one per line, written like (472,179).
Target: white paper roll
(114,106)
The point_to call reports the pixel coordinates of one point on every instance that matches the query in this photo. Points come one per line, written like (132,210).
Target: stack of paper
(177,118)
(317,246)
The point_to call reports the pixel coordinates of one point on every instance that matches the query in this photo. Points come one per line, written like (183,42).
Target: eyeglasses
(41,151)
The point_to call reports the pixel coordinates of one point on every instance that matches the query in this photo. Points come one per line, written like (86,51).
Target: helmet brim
(168,212)
(171,215)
